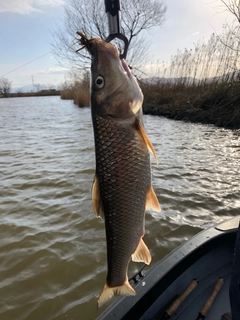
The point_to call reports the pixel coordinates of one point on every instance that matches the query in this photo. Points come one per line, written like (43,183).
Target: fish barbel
(122,188)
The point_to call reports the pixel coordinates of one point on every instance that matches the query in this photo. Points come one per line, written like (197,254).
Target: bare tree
(5,87)
(233,6)
(38,87)
(231,30)
(138,17)
(230,37)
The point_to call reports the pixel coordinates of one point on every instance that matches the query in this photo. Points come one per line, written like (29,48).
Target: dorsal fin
(96,199)
(146,139)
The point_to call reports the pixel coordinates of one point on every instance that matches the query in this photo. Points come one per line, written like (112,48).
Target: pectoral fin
(146,139)
(110,292)
(142,253)
(96,199)
(152,201)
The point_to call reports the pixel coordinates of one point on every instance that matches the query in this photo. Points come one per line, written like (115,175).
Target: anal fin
(152,201)
(142,253)
(146,139)
(96,199)
(110,292)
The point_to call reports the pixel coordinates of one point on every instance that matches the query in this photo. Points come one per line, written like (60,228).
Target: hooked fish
(122,189)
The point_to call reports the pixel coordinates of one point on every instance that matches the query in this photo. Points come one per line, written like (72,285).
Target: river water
(52,248)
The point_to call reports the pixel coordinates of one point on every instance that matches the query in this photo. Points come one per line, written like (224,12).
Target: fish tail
(110,292)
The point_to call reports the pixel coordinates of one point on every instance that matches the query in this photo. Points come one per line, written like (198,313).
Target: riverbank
(210,102)
(41,93)
(220,116)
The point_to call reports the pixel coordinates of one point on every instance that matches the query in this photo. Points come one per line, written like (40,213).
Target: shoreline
(225,116)
(41,93)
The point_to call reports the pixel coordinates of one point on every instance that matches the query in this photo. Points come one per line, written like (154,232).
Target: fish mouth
(95,45)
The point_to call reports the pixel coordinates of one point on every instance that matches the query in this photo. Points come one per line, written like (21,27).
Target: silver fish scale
(124,176)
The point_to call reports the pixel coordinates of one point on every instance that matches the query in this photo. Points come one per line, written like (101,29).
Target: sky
(26,28)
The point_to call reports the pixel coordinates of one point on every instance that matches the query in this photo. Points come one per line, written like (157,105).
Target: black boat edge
(160,277)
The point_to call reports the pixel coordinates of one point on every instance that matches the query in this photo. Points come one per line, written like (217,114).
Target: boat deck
(207,270)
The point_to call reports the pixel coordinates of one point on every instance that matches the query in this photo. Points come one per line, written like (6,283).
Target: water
(52,248)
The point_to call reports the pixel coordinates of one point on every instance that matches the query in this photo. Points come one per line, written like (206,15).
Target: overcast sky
(26,26)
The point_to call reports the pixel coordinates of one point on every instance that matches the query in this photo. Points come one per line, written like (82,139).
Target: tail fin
(108,292)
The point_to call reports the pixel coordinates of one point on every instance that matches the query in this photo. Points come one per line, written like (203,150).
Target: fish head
(114,89)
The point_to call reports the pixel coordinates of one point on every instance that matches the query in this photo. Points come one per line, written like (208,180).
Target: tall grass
(207,74)
(78,91)
(215,60)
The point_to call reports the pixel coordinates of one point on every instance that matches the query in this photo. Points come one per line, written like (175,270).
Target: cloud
(27,6)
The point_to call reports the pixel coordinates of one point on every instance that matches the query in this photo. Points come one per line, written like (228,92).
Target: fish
(122,189)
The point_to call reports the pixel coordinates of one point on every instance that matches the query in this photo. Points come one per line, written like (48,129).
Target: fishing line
(45,54)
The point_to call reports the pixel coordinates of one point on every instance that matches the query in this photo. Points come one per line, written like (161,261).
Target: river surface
(52,247)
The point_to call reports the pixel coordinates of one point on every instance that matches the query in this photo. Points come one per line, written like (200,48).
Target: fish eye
(99,82)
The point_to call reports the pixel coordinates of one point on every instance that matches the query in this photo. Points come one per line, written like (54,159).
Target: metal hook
(113,9)
(121,37)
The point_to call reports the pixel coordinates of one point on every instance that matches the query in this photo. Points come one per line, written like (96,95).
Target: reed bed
(66,94)
(204,80)
(216,60)
(78,91)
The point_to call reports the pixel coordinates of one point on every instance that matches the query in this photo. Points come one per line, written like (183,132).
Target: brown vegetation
(200,85)
(66,94)
(216,60)
(79,91)
(214,103)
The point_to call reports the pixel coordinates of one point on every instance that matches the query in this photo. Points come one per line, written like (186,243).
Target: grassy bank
(214,103)
(79,95)
(200,84)
(78,91)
